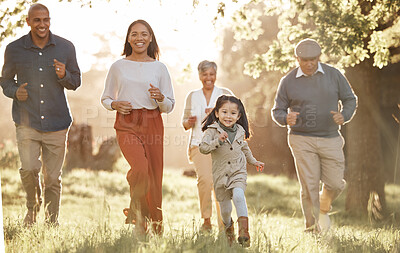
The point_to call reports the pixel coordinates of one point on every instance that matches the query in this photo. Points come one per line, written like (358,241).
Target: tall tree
(358,36)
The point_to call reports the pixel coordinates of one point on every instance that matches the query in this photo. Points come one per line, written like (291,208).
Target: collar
(29,42)
(300,72)
(240,131)
(228,129)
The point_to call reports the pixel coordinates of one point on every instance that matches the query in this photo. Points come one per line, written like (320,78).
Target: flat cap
(307,48)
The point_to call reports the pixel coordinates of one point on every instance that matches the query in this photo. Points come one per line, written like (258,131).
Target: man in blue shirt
(37,68)
(314,100)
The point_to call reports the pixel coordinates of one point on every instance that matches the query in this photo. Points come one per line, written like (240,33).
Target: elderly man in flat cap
(313,101)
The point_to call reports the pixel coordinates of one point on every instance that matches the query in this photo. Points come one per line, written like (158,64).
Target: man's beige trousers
(318,159)
(36,150)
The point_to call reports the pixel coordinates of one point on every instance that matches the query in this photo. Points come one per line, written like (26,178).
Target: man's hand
(291,118)
(22,93)
(337,117)
(59,67)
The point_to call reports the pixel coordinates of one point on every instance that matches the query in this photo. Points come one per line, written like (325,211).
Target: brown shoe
(30,218)
(127,220)
(230,232)
(244,236)
(206,227)
(139,222)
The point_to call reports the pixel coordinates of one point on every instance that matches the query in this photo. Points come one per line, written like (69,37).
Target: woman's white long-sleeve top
(130,81)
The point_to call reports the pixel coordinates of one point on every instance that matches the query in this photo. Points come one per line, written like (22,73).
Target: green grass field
(91,219)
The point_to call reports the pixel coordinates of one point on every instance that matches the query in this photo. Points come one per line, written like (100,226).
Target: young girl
(226,129)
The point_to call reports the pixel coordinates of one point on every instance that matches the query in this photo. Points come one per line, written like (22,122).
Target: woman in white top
(197,106)
(139,88)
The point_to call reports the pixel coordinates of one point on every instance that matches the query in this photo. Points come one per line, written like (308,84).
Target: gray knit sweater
(314,97)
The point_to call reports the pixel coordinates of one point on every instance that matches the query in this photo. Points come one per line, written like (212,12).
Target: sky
(185,34)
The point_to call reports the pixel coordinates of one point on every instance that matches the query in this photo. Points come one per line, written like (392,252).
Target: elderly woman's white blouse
(130,81)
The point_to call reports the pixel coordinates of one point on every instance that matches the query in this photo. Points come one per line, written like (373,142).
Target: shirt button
(41,85)
(40,53)
(41,101)
(216,146)
(40,69)
(228,162)
(231,148)
(42,117)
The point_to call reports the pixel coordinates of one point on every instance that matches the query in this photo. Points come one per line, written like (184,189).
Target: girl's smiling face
(228,114)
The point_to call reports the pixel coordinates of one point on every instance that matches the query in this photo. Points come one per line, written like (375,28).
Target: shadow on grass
(280,195)
(266,194)
(350,242)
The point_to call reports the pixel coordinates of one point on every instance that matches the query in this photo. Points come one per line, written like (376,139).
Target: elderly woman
(198,104)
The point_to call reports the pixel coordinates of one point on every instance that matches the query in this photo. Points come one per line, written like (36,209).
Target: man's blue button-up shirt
(46,108)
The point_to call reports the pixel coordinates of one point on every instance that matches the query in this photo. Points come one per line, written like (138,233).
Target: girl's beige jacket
(228,160)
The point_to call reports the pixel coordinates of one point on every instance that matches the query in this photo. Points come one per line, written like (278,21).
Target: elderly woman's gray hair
(205,65)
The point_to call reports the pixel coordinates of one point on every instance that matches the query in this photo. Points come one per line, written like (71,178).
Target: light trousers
(203,167)
(239,200)
(318,159)
(41,150)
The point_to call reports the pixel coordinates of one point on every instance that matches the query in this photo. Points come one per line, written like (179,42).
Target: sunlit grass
(91,219)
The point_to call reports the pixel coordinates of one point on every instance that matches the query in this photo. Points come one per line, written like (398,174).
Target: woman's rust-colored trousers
(140,136)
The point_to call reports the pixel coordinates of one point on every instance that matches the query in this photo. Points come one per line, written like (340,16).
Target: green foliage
(12,17)
(349,31)
(246,24)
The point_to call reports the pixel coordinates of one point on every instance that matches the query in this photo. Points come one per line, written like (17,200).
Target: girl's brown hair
(211,118)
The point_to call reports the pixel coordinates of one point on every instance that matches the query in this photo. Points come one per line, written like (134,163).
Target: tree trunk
(107,156)
(79,147)
(80,150)
(364,174)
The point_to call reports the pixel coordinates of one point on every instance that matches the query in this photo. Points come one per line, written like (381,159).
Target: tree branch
(389,23)
(394,50)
